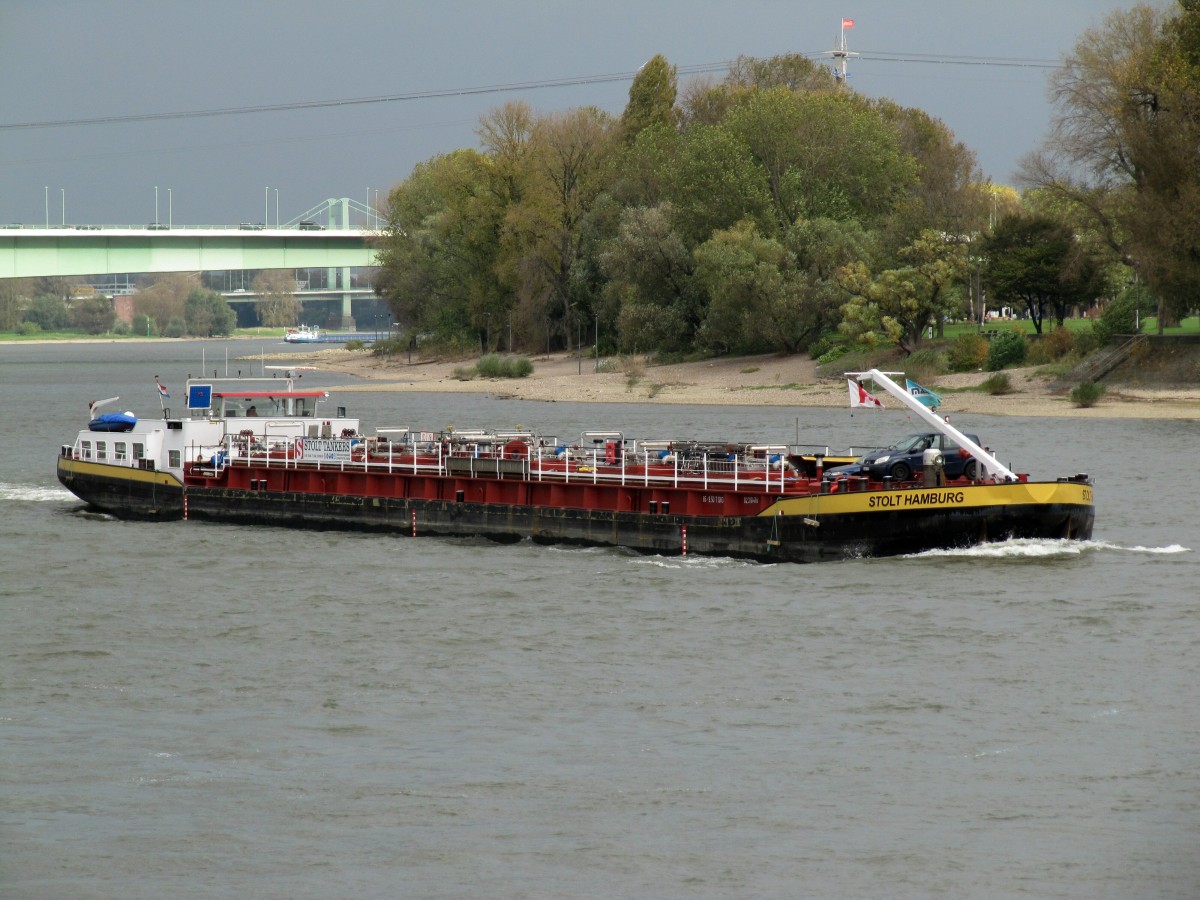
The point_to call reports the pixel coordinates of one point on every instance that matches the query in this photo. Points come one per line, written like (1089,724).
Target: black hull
(141,494)
(814,534)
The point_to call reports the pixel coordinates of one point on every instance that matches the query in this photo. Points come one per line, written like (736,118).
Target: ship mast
(840,54)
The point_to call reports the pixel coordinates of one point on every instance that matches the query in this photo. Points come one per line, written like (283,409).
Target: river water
(195,710)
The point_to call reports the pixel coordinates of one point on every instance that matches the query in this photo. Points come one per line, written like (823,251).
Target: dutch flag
(162,391)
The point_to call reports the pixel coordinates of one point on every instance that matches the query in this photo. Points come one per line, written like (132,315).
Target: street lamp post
(170,209)
(156,204)
(47,206)
(64,195)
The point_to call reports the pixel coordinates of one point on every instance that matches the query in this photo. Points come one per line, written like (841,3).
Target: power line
(704,68)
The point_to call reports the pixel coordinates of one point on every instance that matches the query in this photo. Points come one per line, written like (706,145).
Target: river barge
(262,452)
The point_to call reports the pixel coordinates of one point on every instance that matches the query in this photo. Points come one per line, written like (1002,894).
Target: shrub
(28,328)
(1086,341)
(968,352)
(175,328)
(496,366)
(121,327)
(144,326)
(388,347)
(997,385)
(1057,343)
(1006,349)
(1050,347)
(924,365)
(1086,394)
(823,345)
(355,345)
(1119,316)
(837,351)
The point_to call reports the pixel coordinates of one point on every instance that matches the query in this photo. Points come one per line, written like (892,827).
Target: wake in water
(33,493)
(1028,548)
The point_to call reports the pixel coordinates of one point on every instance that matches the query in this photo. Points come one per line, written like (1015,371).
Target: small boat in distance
(260,452)
(303,334)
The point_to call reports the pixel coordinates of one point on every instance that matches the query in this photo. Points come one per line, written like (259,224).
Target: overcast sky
(70,60)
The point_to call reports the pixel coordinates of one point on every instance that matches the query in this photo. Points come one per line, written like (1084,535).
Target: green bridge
(89,250)
(32,252)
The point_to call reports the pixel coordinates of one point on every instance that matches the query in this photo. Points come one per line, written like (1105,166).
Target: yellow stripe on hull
(70,467)
(975,496)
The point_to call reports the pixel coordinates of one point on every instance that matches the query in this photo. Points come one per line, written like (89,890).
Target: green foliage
(718,225)
(1087,394)
(997,385)
(29,328)
(1119,316)
(10,306)
(968,353)
(1036,263)
(144,326)
(48,312)
(926,363)
(651,97)
(837,351)
(496,366)
(208,314)
(388,347)
(355,345)
(1086,341)
(176,328)
(121,327)
(93,316)
(1008,348)
(1051,347)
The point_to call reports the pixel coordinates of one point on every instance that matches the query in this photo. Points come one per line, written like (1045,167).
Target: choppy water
(196,710)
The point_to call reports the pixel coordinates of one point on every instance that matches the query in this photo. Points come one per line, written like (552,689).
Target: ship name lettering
(915,498)
(714,498)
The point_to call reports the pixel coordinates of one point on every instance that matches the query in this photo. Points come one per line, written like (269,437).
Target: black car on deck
(905,458)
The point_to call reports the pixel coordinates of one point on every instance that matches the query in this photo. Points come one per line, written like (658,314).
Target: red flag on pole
(847,23)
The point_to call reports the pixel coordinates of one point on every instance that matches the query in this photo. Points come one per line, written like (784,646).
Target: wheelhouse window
(101,450)
(173,458)
(139,450)
(119,449)
(85,449)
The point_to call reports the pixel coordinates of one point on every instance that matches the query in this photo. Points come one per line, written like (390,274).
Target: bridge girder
(34,252)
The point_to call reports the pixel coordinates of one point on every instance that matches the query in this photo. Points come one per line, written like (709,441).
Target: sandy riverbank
(760,380)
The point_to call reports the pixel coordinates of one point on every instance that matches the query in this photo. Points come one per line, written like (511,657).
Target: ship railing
(648,464)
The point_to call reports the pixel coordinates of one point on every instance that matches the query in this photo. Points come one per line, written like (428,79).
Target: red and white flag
(162,391)
(859,398)
(847,23)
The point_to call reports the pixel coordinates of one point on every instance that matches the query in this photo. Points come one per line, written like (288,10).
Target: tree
(277,305)
(771,294)
(902,302)
(441,253)
(93,316)
(49,312)
(651,274)
(10,305)
(569,154)
(1122,149)
(164,300)
(1035,262)
(651,98)
(825,155)
(208,314)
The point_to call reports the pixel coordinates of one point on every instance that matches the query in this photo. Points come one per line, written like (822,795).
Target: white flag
(860,398)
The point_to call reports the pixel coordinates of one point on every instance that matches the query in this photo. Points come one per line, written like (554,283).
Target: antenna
(841,54)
